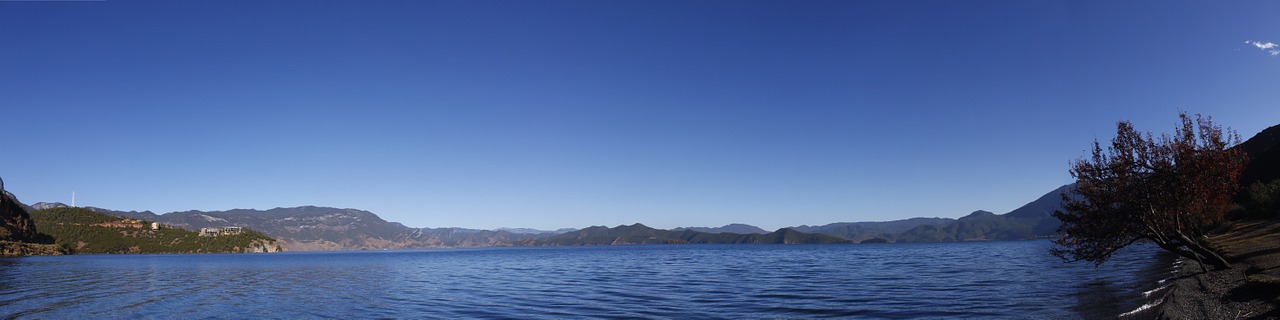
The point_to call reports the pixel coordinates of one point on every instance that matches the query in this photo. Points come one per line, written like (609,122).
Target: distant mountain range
(859,231)
(535,231)
(730,228)
(312,228)
(641,234)
(321,228)
(1029,221)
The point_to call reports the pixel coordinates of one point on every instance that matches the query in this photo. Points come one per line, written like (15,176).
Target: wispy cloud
(1271,48)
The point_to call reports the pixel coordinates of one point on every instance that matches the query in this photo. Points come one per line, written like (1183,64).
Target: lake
(1016,279)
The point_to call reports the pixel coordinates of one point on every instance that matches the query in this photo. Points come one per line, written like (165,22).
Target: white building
(209,232)
(231,230)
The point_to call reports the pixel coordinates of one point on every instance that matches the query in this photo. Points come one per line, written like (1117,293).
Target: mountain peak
(980,213)
(48,205)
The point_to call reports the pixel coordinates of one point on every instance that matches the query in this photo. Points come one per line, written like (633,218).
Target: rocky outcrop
(263,246)
(15,223)
(48,205)
(18,235)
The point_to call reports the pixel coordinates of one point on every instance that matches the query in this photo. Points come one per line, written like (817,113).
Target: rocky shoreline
(1249,290)
(18,249)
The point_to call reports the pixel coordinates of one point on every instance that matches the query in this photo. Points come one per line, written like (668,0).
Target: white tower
(73,199)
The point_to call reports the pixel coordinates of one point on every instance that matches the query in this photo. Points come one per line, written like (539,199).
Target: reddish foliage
(1165,189)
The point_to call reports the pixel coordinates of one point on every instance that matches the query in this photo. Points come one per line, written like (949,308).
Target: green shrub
(1264,198)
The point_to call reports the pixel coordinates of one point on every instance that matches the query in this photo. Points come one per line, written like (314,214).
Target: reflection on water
(1120,289)
(993,279)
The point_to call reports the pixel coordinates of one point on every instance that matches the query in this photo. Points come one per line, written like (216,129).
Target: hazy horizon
(566,114)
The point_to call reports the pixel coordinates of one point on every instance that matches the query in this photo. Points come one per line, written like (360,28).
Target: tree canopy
(1166,189)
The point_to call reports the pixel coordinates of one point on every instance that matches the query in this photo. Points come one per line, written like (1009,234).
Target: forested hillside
(86,231)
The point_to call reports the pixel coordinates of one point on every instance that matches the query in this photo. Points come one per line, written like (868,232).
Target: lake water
(1017,279)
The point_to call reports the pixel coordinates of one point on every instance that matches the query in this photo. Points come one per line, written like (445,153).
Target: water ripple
(954,280)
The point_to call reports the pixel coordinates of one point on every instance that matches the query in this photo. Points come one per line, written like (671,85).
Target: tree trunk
(1186,254)
(1200,262)
(1186,251)
(1215,259)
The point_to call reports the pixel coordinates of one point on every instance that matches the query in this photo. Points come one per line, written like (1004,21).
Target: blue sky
(551,114)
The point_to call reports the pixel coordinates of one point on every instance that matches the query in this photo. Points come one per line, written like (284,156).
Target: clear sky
(550,114)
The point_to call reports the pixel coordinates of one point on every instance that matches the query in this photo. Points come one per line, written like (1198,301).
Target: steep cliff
(18,235)
(15,223)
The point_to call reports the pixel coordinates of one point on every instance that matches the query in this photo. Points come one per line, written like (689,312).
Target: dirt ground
(1249,290)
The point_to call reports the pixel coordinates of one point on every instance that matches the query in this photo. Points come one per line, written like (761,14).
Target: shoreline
(1249,290)
(24,249)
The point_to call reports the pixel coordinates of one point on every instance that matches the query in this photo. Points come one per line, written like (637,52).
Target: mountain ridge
(312,228)
(1031,220)
(641,234)
(861,231)
(730,228)
(1263,150)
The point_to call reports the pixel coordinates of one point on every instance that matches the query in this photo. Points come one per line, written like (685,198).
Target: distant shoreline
(23,249)
(515,246)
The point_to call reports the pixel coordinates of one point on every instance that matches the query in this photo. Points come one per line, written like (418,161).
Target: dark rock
(15,223)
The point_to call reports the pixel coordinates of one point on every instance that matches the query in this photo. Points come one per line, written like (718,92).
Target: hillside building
(224,231)
(209,232)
